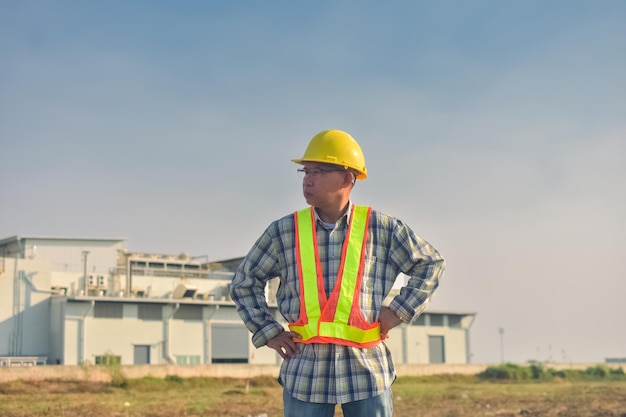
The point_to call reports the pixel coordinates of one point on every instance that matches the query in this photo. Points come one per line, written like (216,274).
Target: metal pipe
(32,285)
(208,350)
(166,336)
(85,286)
(468,352)
(83,328)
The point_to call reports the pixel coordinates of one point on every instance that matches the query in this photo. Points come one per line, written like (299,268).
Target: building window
(186,312)
(421,321)
(187,360)
(108,360)
(436,320)
(454,321)
(149,312)
(108,310)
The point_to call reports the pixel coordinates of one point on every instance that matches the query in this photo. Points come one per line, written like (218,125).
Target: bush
(114,367)
(507,371)
(597,372)
(537,372)
(174,378)
(604,372)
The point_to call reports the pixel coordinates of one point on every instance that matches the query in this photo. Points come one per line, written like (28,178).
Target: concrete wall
(101,373)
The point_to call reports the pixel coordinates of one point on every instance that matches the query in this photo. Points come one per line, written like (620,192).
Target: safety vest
(338,319)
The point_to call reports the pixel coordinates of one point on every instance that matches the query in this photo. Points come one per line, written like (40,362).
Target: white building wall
(394,343)
(6,307)
(263,355)
(24,307)
(187,338)
(409,343)
(163,286)
(77,328)
(114,336)
(131,331)
(169,336)
(67,254)
(416,345)
(418,349)
(71,342)
(455,346)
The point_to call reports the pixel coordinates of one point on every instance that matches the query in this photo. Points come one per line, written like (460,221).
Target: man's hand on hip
(283,344)
(388,320)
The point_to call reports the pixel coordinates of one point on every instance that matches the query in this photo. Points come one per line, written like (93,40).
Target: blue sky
(496,129)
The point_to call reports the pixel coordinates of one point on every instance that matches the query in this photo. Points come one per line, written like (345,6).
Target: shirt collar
(347,215)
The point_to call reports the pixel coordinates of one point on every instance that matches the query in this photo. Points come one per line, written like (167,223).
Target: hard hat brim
(360,174)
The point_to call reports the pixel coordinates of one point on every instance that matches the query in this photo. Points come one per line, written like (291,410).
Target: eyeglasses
(314,172)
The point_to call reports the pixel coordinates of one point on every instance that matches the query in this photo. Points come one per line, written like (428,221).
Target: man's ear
(349,179)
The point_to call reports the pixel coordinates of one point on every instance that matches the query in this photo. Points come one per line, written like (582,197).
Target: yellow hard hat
(338,148)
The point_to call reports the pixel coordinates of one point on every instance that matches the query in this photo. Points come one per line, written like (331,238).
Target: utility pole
(501,331)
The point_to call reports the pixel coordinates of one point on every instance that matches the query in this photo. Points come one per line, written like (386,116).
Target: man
(336,262)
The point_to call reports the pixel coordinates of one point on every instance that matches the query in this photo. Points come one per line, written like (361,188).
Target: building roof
(18,237)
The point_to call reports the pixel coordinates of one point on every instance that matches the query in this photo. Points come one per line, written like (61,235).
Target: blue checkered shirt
(328,373)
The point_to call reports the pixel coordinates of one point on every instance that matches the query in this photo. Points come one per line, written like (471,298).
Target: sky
(495,129)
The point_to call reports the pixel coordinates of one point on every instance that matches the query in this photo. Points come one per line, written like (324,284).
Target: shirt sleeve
(424,266)
(248,289)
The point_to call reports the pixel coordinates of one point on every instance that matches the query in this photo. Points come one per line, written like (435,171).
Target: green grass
(433,396)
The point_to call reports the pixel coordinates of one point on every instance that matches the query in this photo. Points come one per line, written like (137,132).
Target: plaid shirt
(327,373)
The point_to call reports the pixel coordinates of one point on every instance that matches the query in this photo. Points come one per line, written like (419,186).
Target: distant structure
(88,300)
(615,360)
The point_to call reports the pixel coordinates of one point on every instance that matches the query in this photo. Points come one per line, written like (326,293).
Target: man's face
(323,183)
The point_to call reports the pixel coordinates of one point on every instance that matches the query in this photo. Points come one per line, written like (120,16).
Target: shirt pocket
(369,270)
(370,293)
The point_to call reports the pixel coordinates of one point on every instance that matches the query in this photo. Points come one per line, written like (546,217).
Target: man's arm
(423,264)
(248,290)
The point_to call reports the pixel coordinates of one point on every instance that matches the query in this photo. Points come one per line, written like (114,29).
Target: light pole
(501,331)
(86,287)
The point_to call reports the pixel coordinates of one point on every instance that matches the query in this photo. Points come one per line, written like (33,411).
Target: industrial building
(70,301)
